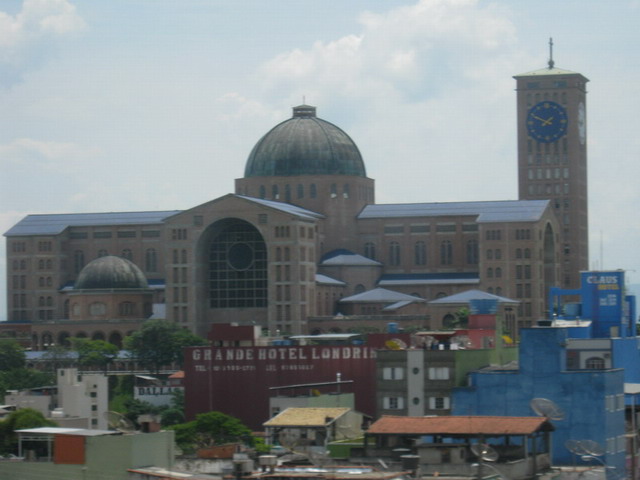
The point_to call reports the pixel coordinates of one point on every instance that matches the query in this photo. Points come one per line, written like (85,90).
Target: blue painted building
(580,358)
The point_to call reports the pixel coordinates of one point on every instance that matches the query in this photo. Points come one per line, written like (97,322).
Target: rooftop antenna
(551,62)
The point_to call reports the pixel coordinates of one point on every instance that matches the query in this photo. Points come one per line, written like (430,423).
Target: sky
(131,105)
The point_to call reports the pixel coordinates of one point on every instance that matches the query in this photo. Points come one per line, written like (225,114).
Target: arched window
(446,252)
(490,254)
(313,193)
(370,250)
(420,253)
(490,290)
(394,254)
(498,272)
(275,192)
(472,252)
(287,193)
(151,260)
(102,253)
(49,264)
(78,260)
(262,192)
(41,264)
(595,363)
(237,270)
(489,272)
(300,190)
(127,253)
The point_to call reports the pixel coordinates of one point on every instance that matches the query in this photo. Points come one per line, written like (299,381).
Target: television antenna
(544,407)
(484,452)
(119,422)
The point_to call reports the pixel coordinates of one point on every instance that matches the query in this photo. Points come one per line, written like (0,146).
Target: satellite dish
(575,447)
(592,448)
(484,452)
(119,422)
(544,407)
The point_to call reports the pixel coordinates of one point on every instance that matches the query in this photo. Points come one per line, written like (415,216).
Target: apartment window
(370,250)
(439,403)
(127,234)
(393,373)
(438,373)
(594,363)
(150,233)
(393,403)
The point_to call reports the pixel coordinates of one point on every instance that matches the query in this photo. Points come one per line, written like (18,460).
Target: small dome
(110,272)
(305,145)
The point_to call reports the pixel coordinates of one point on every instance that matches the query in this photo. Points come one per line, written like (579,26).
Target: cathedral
(302,247)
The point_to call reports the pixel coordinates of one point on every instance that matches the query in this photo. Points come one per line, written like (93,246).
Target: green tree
(160,343)
(18,420)
(210,429)
(11,355)
(58,356)
(94,353)
(174,414)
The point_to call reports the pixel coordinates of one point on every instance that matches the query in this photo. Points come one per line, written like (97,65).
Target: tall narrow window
(370,250)
(126,253)
(151,260)
(420,253)
(78,260)
(446,252)
(394,254)
(472,252)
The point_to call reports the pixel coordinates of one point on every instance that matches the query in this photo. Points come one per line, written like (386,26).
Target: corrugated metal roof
(284,207)
(381,295)
(55,223)
(307,417)
(82,432)
(467,296)
(485,212)
(453,278)
(459,425)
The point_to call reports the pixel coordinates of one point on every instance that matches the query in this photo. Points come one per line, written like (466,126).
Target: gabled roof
(56,223)
(453,278)
(325,280)
(547,71)
(468,295)
(306,417)
(381,295)
(459,425)
(350,260)
(485,212)
(283,207)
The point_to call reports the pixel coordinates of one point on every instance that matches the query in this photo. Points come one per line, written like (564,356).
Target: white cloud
(33,28)
(55,155)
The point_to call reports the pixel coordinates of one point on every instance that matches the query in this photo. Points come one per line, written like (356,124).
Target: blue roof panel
(54,224)
(485,212)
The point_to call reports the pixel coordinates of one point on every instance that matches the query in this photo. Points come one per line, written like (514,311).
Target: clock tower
(552,157)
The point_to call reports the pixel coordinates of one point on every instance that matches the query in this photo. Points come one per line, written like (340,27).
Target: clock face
(547,122)
(582,123)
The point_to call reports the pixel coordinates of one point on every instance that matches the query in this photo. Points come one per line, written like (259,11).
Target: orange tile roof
(459,425)
(178,374)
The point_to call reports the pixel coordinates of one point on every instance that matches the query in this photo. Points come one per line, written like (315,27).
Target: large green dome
(305,145)
(110,272)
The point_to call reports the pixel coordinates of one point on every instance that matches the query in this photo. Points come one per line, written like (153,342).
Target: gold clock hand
(548,121)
